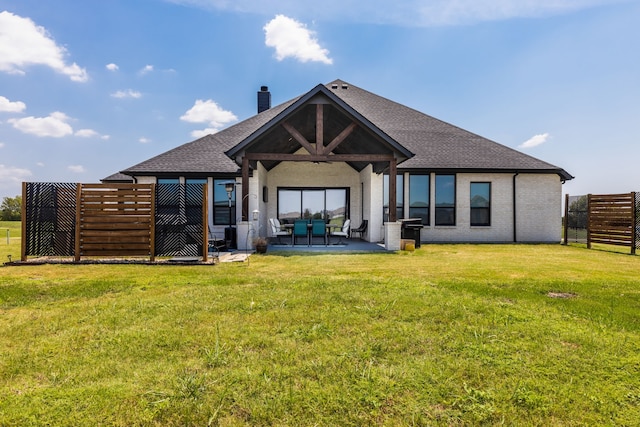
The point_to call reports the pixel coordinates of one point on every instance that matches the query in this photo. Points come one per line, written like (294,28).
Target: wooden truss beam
(299,137)
(338,139)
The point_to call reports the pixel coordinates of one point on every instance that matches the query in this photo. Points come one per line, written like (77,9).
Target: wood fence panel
(115,220)
(612,219)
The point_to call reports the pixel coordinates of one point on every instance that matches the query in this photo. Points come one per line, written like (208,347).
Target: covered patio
(333,153)
(349,246)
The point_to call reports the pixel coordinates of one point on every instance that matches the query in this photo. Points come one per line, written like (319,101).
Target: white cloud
(1,144)
(105,137)
(55,125)
(146,70)
(7,106)
(12,175)
(112,67)
(129,93)
(291,39)
(86,133)
(208,112)
(144,140)
(76,168)
(40,164)
(415,13)
(535,140)
(23,43)
(203,132)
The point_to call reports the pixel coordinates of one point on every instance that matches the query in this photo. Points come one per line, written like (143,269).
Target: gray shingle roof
(437,145)
(117,177)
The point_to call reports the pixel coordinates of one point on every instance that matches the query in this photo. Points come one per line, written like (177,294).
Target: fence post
(588,221)
(78,221)
(566,220)
(205,223)
(634,222)
(152,231)
(23,238)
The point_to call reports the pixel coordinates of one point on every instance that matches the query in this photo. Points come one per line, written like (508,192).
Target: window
(480,203)
(445,200)
(194,196)
(168,197)
(419,197)
(223,208)
(330,204)
(194,199)
(399,197)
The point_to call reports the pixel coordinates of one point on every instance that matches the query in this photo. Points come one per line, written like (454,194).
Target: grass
(13,248)
(446,335)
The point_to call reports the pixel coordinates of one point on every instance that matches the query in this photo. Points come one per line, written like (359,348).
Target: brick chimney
(264,99)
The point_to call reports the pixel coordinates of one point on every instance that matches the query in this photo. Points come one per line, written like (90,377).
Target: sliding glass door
(330,204)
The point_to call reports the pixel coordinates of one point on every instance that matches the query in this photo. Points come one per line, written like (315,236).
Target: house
(339,151)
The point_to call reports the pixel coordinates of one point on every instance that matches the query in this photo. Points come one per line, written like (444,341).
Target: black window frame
(448,210)
(399,197)
(479,211)
(221,210)
(325,212)
(426,218)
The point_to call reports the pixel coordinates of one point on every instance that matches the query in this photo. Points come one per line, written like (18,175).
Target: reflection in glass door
(289,204)
(330,204)
(336,205)
(313,204)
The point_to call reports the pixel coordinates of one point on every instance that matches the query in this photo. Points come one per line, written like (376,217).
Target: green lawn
(13,248)
(446,335)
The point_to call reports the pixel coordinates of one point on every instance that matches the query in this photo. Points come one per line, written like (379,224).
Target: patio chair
(299,230)
(319,229)
(344,232)
(276,231)
(215,245)
(360,230)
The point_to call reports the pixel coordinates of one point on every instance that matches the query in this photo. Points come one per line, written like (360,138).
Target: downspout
(515,215)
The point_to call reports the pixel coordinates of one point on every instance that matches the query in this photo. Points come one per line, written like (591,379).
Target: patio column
(393,171)
(245,189)
(392,234)
(392,229)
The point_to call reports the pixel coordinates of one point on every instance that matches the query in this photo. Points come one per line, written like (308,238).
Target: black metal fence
(50,215)
(180,219)
(576,219)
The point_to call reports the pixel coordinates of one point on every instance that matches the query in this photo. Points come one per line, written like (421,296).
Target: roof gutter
(515,211)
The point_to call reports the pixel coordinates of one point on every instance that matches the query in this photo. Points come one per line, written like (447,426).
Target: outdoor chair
(276,230)
(344,232)
(319,229)
(214,244)
(360,230)
(299,230)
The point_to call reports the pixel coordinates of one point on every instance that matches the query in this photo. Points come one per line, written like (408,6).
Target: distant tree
(10,209)
(578,212)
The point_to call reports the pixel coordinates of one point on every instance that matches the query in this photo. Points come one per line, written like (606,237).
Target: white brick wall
(538,201)
(539,208)
(538,205)
(501,228)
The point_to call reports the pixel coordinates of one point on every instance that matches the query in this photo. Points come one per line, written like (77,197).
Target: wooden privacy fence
(114,220)
(612,219)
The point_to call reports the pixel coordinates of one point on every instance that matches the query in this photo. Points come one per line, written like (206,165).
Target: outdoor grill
(411,230)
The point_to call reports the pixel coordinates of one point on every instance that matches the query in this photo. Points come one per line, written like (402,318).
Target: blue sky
(88,88)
